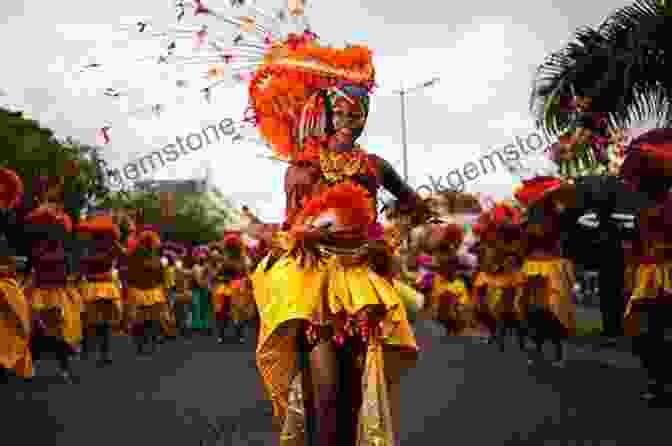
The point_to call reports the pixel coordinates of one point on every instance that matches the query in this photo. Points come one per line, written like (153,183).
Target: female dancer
(548,307)
(324,291)
(650,306)
(232,294)
(56,305)
(146,294)
(102,297)
(15,315)
(500,284)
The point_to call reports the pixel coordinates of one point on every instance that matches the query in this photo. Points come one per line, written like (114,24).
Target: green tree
(200,217)
(33,151)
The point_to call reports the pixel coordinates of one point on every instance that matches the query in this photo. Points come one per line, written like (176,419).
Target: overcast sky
(484,52)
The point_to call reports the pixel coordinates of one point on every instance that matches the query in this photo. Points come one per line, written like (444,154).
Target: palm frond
(623,64)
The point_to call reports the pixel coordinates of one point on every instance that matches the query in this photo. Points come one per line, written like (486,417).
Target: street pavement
(196,392)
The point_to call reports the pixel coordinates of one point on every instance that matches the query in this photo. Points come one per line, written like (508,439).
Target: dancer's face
(349,119)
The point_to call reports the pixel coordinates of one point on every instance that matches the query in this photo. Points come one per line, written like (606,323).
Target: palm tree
(623,66)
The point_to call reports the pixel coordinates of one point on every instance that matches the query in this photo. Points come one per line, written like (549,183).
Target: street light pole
(403,93)
(404,141)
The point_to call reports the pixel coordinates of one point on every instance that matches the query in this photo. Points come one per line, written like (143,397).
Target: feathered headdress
(534,189)
(292,77)
(147,241)
(45,215)
(99,225)
(11,189)
(499,223)
(232,245)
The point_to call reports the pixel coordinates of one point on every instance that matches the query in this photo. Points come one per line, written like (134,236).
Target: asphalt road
(462,393)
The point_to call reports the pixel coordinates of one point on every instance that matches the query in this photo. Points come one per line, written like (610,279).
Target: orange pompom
(353,204)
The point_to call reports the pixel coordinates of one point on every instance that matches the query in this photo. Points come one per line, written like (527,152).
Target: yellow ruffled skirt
(15,325)
(453,306)
(60,310)
(288,293)
(495,306)
(557,296)
(102,303)
(146,304)
(650,279)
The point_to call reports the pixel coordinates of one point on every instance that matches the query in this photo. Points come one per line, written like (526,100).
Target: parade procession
(352,302)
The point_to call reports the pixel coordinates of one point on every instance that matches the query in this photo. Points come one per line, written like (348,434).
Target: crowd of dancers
(335,288)
(127,283)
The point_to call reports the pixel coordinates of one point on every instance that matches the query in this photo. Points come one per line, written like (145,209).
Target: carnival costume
(55,302)
(201,309)
(182,298)
(305,96)
(15,314)
(500,285)
(147,299)
(450,300)
(232,295)
(549,307)
(650,305)
(100,294)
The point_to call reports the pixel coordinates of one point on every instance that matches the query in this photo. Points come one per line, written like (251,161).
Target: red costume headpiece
(99,225)
(11,189)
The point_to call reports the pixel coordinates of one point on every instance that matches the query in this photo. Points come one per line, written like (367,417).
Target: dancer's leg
(324,373)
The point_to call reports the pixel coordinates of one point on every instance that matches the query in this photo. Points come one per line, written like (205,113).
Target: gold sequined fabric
(375,426)
(337,167)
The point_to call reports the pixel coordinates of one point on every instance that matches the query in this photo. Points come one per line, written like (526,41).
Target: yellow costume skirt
(60,310)
(102,303)
(495,304)
(650,279)
(287,294)
(221,297)
(15,326)
(146,304)
(557,295)
(452,305)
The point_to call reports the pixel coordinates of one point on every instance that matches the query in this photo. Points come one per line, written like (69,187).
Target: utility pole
(403,93)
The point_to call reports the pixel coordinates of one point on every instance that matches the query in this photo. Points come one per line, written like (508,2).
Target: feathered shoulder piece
(49,215)
(11,189)
(99,225)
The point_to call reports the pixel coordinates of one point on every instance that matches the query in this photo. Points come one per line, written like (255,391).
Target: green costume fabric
(201,309)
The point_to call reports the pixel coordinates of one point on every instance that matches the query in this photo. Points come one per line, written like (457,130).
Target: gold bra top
(337,167)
